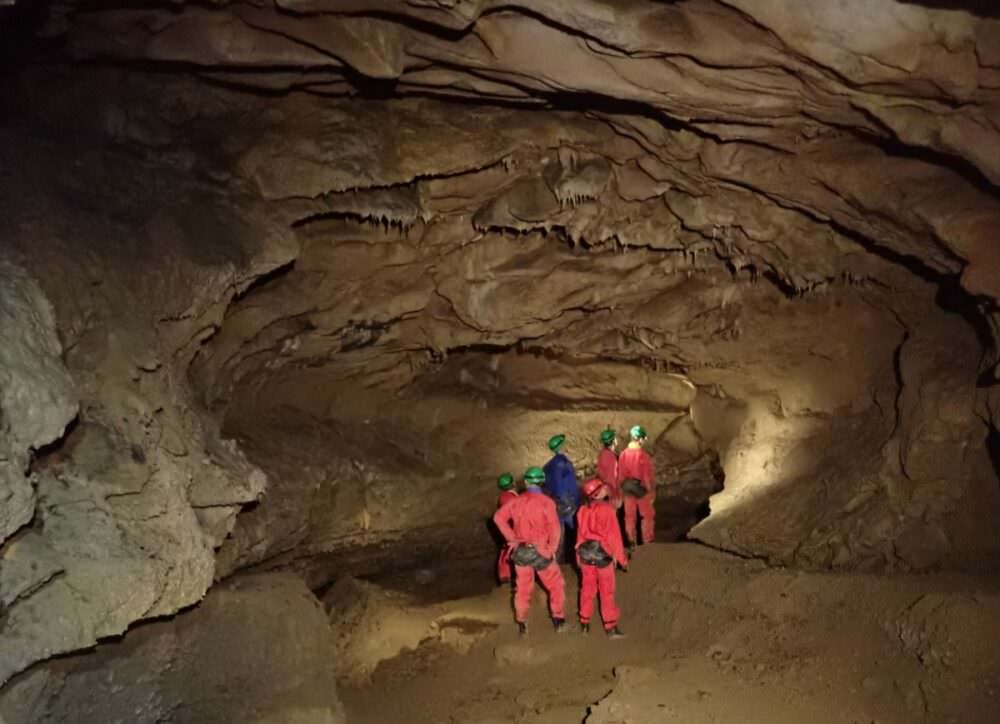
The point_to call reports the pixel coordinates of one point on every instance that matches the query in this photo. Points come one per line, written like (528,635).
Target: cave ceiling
(757,217)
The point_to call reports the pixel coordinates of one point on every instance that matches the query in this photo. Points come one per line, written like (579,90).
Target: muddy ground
(711,639)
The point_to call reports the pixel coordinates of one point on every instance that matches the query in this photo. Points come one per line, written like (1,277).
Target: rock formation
(287,284)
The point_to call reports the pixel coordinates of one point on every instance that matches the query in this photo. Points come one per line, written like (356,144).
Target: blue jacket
(560,485)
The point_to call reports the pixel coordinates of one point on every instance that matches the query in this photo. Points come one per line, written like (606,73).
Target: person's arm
(572,484)
(554,530)
(613,543)
(502,519)
(649,475)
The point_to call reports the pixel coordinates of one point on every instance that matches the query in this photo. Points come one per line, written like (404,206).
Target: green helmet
(505,481)
(637,433)
(608,436)
(534,476)
(556,441)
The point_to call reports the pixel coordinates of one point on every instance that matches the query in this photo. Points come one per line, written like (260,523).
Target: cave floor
(710,638)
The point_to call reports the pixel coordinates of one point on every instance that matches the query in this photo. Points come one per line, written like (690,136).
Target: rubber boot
(522,629)
(559,624)
(615,633)
(584,628)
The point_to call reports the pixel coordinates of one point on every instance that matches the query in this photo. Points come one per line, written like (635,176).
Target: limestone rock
(229,659)
(37,397)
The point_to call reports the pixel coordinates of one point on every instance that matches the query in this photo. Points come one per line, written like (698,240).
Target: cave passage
(285,287)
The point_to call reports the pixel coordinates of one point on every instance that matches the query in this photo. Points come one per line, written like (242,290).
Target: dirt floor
(710,639)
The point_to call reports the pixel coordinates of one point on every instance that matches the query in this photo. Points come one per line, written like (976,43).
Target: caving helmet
(556,442)
(607,437)
(534,476)
(637,433)
(505,481)
(593,488)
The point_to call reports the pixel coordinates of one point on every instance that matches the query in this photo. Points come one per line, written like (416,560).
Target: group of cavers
(534,523)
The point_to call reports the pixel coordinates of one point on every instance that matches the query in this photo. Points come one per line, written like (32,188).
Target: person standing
(599,548)
(507,493)
(530,526)
(561,486)
(638,485)
(607,466)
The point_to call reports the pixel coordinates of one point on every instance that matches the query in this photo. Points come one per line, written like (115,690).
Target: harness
(527,555)
(592,553)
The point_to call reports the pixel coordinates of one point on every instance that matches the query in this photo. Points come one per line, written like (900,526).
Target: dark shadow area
(20,22)
(993,447)
(683,501)
(982,8)
(55,451)
(264,281)
(435,579)
(956,164)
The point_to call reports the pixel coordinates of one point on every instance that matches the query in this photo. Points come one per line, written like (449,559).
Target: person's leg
(631,508)
(588,589)
(503,565)
(605,579)
(552,579)
(648,518)
(525,584)
(560,554)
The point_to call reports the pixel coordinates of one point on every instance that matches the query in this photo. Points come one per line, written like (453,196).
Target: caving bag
(633,488)
(527,555)
(592,553)
(565,506)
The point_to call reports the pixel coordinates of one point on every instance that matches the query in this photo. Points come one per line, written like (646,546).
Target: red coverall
(634,462)
(607,471)
(534,519)
(598,521)
(503,562)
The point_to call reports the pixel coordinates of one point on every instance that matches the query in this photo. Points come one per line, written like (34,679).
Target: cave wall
(116,268)
(695,213)
(229,659)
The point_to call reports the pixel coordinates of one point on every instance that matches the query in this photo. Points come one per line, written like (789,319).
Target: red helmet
(594,487)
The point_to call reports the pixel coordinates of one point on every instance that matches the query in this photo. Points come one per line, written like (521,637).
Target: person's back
(560,477)
(607,466)
(598,521)
(599,548)
(531,516)
(531,519)
(561,486)
(507,493)
(635,463)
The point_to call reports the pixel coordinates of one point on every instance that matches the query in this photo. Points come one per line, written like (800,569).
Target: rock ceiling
(464,222)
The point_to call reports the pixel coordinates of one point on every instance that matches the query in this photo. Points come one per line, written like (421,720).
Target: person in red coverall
(607,466)
(507,493)
(599,548)
(634,463)
(530,520)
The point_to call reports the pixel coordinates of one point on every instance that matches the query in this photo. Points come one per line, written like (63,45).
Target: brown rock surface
(342,263)
(229,659)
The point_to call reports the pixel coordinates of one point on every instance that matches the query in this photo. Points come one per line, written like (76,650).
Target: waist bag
(565,506)
(633,488)
(527,555)
(592,553)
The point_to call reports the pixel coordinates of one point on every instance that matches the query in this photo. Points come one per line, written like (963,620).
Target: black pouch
(565,506)
(592,553)
(527,555)
(634,488)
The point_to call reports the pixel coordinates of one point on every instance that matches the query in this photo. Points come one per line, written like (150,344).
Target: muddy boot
(560,625)
(615,633)
(522,629)
(584,628)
